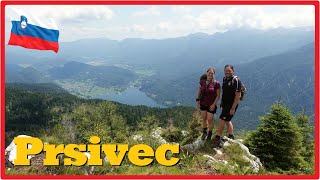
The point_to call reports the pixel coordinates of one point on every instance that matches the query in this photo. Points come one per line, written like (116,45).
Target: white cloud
(251,16)
(86,14)
(152,11)
(181,9)
(295,16)
(136,28)
(63,13)
(94,21)
(166,26)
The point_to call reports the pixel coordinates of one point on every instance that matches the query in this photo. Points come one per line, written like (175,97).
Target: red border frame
(161,2)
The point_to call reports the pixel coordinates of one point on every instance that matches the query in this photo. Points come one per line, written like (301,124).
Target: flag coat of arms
(31,33)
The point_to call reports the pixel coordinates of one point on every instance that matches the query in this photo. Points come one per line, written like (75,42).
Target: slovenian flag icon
(34,35)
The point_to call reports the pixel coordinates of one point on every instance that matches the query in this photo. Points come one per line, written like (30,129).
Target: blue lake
(131,96)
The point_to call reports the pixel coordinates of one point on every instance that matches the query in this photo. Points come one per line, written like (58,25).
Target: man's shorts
(225,114)
(207,108)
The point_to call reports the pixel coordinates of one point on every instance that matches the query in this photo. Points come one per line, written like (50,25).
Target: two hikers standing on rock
(208,96)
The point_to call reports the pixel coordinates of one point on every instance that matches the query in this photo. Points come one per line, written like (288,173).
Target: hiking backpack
(243,88)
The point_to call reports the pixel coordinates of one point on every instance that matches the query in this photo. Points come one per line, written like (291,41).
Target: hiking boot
(231,136)
(204,135)
(209,135)
(216,141)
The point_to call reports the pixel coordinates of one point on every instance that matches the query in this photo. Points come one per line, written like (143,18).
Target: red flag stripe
(33,43)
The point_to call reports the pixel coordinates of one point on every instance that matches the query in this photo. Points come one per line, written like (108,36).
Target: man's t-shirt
(209,91)
(228,90)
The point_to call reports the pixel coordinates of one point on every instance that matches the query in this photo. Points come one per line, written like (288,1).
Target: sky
(119,22)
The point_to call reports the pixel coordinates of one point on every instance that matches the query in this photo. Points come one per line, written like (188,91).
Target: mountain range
(274,65)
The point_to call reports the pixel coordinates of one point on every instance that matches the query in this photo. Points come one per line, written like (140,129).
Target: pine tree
(149,123)
(303,122)
(116,124)
(172,133)
(99,120)
(277,141)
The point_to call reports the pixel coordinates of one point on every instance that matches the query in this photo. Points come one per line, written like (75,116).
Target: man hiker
(231,93)
(208,96)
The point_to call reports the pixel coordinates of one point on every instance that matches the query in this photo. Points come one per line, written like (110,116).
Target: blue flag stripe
(35,31)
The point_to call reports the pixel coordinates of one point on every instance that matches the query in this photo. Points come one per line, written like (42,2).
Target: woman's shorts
(207,108)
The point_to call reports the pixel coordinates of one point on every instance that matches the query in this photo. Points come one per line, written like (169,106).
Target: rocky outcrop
(157,135)
(198,144)
(247,156)
(220,157)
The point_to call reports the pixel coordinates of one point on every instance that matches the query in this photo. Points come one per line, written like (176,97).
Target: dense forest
(32,108)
